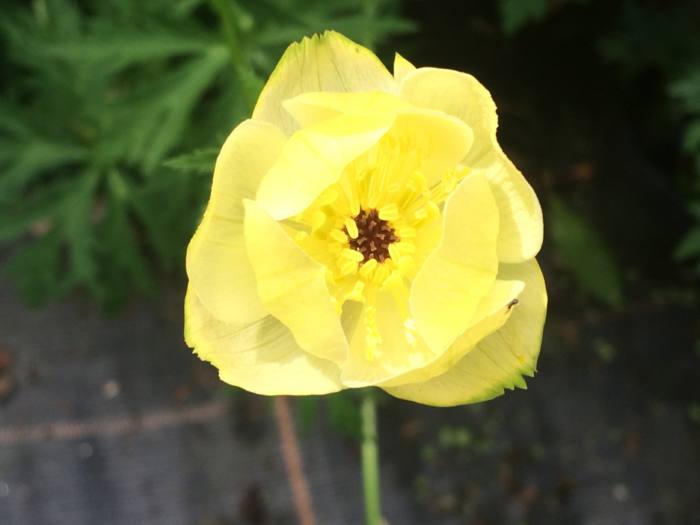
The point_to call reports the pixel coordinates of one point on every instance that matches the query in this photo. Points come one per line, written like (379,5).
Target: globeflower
(366,229)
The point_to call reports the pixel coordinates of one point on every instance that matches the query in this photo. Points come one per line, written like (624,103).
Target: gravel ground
(113,422)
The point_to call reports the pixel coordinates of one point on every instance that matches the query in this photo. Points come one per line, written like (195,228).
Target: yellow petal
(262,358)
(313,107)
(447,290)
(399,350)
(248,153)
(494,311)
(329,62)
(217,263)
(314,158)
(499,360)
(440,141)
(427,238)
(292,286)
(457,94)
(521,231)
(462,96)
(402,67)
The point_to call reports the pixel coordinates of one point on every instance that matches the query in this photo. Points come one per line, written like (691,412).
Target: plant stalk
(229,13)
(370,459)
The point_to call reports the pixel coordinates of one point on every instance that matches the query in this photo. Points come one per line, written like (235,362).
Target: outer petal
(314,158)
(262,357)
(522,230)
(495,309)
(217,263)
(500,360)
(402,68)
(329,62)
(462,96)
(454,279)
(292,286)
(316,106)
(440,141)
(457,94)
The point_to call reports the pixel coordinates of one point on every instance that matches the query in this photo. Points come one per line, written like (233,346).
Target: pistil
(371,236)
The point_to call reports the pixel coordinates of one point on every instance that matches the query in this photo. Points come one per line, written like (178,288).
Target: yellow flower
(366,229)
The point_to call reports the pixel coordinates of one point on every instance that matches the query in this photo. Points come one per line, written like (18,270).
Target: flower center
(374,235)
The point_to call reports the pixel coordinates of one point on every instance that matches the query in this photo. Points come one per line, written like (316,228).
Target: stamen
(390,212)
(352,255)
(368,268)
(338,236)
(351,228)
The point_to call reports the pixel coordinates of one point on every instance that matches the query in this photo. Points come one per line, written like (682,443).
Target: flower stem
(229,13)
(370,459)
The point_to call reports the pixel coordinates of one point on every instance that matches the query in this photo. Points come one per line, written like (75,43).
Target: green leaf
(691,140)
(654,36)
(584,253)
(168,207)
(126,267)
(694,209)
(116,49)
(99,94)
(307,411)
(152,124)
(344,413)
(517,13)
(689,246)
(200,162)
(76,218)
(30,157)
(37,269)
(18,216)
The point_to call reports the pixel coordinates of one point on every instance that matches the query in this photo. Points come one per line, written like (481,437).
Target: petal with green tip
(329,62)
(500,360)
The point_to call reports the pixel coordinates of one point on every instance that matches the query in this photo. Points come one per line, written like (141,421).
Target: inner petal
(374,228)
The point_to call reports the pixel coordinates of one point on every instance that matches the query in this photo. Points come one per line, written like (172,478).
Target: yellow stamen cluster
(363,228)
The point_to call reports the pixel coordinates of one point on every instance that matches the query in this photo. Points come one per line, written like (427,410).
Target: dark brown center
(374,236)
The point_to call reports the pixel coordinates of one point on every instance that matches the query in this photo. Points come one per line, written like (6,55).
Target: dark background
(110,117)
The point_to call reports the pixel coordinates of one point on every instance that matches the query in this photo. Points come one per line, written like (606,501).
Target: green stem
(369,10)
(228,13)
(370,460)
(227,16)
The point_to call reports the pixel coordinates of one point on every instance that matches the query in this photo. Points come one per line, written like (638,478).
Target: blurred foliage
(517,13)
(102,100)
(646,37)
(342,411)
(686,91)
(112,113)
(666,39)
(584,252)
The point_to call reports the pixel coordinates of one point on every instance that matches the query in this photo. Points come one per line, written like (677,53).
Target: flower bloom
(366,229)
